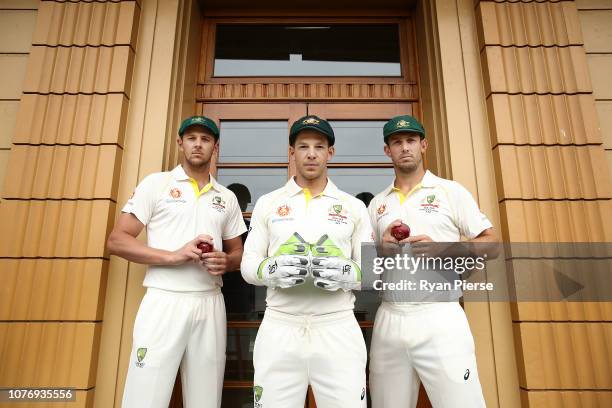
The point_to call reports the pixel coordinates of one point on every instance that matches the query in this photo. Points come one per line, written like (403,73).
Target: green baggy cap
(402,123)
(311,122)
(202,121)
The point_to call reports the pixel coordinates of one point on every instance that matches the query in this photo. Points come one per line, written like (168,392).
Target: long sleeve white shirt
(290,209)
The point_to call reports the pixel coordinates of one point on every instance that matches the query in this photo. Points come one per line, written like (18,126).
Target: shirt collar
(429,180)
(293,188)
(179,175)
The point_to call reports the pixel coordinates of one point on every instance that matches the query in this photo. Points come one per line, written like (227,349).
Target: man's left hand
(333,273)
(216,262)
(423,245)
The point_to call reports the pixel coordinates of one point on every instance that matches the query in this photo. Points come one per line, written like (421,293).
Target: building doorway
(256,76)
(359,168)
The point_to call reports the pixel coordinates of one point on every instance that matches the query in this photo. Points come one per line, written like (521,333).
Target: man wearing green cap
(194,228)
(305,246)
(425,340)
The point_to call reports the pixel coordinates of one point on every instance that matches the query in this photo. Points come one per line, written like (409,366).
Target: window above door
(326,50)
(303,50)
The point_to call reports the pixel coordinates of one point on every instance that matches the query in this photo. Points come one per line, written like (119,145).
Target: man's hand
(283,271)
(331,270)
(335,273)
(215,261)
(188,252)
(423,245)
(289,265)
(387,237)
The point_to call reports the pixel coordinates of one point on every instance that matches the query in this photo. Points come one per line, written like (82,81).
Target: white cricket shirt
(175,211)
(442,209)
(291,209)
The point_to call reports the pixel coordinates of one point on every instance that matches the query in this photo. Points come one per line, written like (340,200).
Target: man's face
(406,151)
(311,152)
(198,146)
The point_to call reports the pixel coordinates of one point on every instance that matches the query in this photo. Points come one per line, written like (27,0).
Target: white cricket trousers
(429,342)
(172,329)
(328,352)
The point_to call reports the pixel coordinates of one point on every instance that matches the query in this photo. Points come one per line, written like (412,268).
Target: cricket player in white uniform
(181,320)
(429,342)
(305,246)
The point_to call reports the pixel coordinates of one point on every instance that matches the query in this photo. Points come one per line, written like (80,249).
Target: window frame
(408,59)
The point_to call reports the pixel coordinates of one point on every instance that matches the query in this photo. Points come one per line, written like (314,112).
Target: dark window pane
(253,141)
(316,50)
(366,304)
(359,141)
(237,398)
(357,180)
(243,301)
(239,360)
(259,181)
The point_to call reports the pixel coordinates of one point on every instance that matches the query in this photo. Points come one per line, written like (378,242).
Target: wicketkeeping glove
(331,270)
(289,265)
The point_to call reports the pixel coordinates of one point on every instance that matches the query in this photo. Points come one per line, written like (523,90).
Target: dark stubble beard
(410,168)
(197,166)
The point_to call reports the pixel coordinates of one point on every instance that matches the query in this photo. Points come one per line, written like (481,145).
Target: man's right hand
(289,265)
(283,271)
(189,252)
(388,238)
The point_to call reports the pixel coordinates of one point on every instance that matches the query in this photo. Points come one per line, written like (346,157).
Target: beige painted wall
(163,91)
(17,22)
(61,180)
(541,82)
(454,105)
(596,22)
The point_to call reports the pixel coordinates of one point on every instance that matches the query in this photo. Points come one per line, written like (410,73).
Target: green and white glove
(331,270)
(288,267)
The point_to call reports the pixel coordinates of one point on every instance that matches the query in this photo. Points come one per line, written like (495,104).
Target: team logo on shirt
(430,204)
(175,196)
(218,203)
(140,355)
(381,209)
(257,393)
(175,193)
(337,214)
(283,211)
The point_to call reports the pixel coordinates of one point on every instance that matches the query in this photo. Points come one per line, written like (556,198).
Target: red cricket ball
(205,247)
(400,232)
